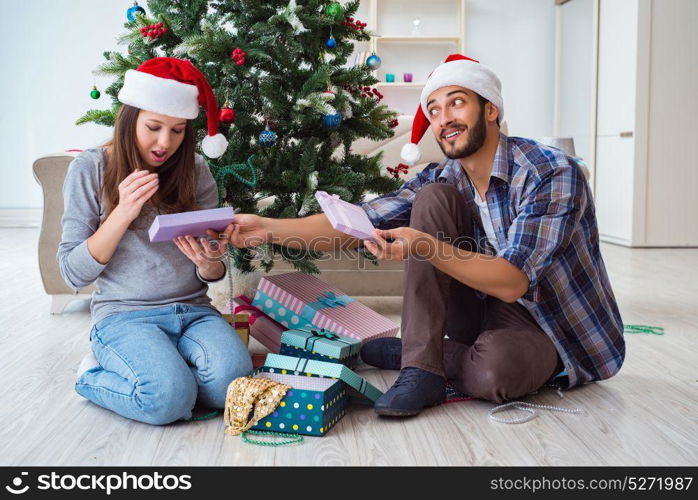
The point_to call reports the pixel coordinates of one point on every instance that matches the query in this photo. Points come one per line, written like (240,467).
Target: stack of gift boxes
(314,332)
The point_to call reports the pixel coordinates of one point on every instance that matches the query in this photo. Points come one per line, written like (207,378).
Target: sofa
(384,279)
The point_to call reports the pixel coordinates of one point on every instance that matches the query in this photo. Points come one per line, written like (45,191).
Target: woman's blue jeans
(155,364)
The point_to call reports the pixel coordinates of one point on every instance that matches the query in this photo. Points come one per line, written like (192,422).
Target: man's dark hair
(484,101)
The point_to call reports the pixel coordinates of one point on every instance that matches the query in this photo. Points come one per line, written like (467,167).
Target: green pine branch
(99,116)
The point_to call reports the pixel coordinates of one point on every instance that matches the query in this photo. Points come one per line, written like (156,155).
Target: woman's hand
(134,191)
(407,241)
(249,230)
(206,254)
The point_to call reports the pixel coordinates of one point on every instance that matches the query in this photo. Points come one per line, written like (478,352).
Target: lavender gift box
(169,226)
(345,217)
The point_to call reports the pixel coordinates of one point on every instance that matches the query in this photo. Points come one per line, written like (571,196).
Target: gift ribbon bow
(330,299)
(248,307)
(255,312)
(325,334)
(322,334)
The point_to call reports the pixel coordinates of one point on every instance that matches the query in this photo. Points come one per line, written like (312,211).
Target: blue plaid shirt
(543,216)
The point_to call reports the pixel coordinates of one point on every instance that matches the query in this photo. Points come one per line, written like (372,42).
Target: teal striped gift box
(322,345)
(359,388)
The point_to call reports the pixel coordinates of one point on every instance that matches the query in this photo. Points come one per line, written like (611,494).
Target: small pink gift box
(345,217)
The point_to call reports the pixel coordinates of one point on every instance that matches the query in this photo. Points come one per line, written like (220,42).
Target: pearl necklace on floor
(529,408)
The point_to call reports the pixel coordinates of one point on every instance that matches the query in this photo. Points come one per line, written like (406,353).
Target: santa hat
(174,87)
(455,70)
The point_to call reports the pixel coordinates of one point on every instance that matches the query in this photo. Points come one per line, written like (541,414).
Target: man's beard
(476,139)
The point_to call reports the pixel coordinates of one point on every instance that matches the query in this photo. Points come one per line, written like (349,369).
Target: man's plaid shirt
(543,216)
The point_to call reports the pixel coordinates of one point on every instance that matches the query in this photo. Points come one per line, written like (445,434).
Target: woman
(159,346)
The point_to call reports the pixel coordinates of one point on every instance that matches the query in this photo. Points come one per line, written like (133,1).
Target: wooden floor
(646,415)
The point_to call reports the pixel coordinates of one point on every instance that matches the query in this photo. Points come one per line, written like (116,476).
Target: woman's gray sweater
(140,274)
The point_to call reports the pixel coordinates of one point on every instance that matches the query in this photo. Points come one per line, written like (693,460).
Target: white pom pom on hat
(174,87)
(214,146)
(410,153)
(457,70)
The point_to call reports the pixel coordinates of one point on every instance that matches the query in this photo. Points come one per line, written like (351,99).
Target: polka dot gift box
(302,301)
(312,407)
(319,396)
(313,343)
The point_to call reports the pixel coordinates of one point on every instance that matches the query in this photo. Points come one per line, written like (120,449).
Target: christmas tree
(291,106)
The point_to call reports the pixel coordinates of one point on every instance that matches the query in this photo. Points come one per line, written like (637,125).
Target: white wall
(516,38)
(49,49)
(50,89)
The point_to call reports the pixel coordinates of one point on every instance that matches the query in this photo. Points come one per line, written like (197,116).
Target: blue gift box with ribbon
(302,301)
(312,343)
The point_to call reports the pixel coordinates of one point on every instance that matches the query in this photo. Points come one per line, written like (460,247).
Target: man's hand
(248,230)
(407,241)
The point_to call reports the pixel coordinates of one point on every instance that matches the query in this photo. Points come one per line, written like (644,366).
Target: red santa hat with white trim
(174,87)
(457,70)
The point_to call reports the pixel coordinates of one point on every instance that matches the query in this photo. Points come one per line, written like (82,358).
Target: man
(502,254)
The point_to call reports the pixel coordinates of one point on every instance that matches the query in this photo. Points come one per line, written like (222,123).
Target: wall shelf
(407,49)
(401,84)
(418,39)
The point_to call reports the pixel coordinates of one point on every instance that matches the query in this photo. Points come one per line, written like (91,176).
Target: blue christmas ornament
(373,62)
(132,11)
(331,43)
(267,138)
(332,121)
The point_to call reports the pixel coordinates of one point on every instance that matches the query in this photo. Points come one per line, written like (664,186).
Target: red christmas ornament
(227,115)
